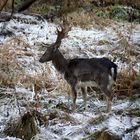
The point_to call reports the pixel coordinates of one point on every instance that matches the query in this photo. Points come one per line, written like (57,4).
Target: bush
(118,12)
(10,69)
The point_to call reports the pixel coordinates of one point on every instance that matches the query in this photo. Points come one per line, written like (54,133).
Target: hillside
(36,95)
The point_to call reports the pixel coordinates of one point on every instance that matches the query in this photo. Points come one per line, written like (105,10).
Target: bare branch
(7,18)
(1,8)
(24,5)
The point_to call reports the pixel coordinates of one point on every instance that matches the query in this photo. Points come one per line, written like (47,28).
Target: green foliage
(41,9)
(102,14)
(17,2)
(119,12)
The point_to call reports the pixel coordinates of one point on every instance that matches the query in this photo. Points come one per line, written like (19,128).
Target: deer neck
(60,62)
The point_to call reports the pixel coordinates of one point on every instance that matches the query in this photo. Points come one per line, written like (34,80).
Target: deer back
(88,70)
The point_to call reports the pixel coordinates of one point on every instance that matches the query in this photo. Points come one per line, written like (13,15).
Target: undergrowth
(128,83)
(12,71)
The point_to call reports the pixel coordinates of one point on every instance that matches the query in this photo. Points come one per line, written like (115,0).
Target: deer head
(51,51)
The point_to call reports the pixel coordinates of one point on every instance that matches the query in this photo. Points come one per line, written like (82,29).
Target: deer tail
(114,72)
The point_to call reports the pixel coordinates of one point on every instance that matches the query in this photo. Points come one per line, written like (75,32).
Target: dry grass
(128,83)
(63,86)
(128,79)
(37,82)
(87,20)
(12,71)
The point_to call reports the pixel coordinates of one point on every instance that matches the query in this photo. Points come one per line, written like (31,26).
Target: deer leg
(84,94)
(74,97)
(109,104)
(108,98)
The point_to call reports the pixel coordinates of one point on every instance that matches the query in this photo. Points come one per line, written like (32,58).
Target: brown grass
(63,86)
(128,79)
(87,20)
(12,71)
(5,4)
(128,83)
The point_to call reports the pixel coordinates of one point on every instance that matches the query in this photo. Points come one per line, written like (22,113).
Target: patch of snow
(80,43)
(10,138)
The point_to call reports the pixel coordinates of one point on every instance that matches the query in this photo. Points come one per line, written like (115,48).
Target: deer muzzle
(41,60)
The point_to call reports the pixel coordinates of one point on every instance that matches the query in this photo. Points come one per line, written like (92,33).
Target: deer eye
(53,49)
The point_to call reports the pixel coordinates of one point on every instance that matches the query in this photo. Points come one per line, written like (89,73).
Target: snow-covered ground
(109,42)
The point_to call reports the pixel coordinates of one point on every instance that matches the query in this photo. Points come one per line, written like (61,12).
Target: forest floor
(22,77)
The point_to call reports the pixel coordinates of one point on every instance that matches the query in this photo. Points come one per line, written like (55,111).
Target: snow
(10,138)
(79,43)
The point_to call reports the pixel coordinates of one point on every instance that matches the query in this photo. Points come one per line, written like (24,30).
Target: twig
(1,8)
(11,15)
(129,130)
(16,100)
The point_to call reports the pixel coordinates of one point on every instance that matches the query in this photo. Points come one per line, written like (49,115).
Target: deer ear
(54,50)
(44,45)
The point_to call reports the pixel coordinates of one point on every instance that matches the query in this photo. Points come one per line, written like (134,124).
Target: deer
(105,62)
(82,71)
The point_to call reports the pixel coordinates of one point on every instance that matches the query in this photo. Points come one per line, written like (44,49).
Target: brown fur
(79,70)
